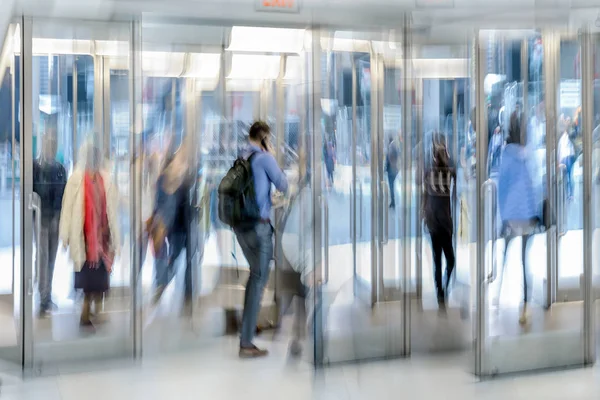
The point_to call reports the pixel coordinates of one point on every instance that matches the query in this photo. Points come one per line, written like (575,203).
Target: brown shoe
(84,320)
(252,352)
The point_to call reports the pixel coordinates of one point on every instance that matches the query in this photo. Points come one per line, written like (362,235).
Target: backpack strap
(251,156)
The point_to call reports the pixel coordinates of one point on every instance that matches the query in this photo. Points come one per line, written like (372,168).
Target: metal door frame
(482,367)
(14,354)
(28,197)
(26,161)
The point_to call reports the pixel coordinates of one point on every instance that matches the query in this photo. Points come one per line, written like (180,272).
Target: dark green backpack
(237,199)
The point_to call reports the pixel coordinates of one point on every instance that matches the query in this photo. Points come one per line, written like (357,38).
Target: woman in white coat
(89,226)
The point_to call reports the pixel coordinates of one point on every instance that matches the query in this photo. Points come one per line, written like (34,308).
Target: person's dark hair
(258,130)
(440,156)
(514,130)
(440,150)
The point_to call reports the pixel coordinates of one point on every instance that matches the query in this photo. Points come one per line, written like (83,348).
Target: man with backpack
(245,205)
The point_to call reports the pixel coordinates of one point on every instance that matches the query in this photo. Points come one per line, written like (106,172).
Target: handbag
(464,221)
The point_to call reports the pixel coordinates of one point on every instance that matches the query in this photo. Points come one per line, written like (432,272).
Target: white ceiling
(446,25)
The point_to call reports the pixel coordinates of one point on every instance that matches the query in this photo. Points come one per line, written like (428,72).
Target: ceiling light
(203,65)
(254,67)
(266,40)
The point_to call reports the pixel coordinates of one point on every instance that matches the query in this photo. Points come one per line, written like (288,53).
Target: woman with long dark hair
(439,180)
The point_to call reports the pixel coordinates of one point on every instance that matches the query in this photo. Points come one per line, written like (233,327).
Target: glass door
(73,315)
(595,176)
(524,107)
(441,276)
(567,285)
(359,304)
(12,308)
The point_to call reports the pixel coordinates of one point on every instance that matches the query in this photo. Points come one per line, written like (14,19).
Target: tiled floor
(218,374)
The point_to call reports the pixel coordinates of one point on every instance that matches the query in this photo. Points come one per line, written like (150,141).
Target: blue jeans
(165,262)
(48,248)
(568,162)
(257,246)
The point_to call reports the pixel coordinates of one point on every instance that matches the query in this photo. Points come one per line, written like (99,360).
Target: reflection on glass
(78,217)
(10,281)
(54,154)
(595,189)
(528,249)
(569,161)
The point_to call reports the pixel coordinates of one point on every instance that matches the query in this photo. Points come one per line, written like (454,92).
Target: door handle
(562,168)
(489,194)
(360,205)
(326,234)
(352,214)
(35,205)
(386,220)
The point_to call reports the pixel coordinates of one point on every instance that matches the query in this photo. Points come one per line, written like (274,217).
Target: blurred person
(296,277)
(535,60)
(566,154)
(467,156)
(147,169)
(516,200)
(495,152)
(49,181)
(295,274)
(329,157)
(256,237)
(537,127)
(392,161)
(89,227)
(169,226)
(439,182)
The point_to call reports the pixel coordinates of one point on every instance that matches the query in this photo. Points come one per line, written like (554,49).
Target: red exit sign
(278,5)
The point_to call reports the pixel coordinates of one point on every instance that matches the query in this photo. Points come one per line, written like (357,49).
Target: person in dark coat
(439,180)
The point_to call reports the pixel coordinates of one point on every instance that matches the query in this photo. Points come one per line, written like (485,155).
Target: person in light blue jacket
(517,199)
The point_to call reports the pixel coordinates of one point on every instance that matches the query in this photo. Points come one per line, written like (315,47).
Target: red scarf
(95,226)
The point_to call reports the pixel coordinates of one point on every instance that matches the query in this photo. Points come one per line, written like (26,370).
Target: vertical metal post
(265,92)
(353,193)
(136,142)
(26,159)
(280,141)
(375,217)
(551,43)
(74,132)
(193,138)
(525,78)
(106,134)
(227,136)
(455,158)
(257,103)
(419,187)
(317,192)
(280,112)
(190,110)
(173,106)
(13,145)
(407,183)
(587,94)
(99,102)
(384,191)
(482,145)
